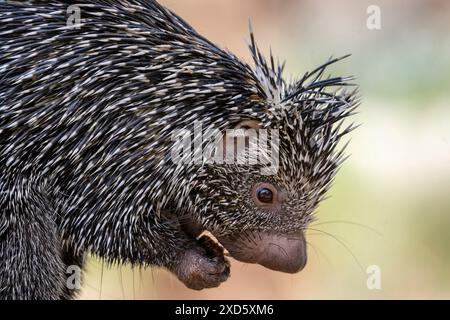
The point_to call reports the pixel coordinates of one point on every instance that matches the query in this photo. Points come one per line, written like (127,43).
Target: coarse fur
(86,119)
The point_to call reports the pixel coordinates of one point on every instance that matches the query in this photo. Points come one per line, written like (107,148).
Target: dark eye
(264,195)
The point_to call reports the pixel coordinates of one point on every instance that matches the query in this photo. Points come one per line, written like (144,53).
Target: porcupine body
(87,115)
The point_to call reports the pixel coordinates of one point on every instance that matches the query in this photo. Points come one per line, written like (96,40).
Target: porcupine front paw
(203,266)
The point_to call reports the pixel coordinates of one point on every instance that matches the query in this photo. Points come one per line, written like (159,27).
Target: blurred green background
(390,204)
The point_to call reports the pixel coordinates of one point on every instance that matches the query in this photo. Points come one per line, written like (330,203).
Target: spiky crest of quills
(89,113)
(311,117)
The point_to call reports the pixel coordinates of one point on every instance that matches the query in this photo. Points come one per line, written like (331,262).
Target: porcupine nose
(280,252)
(285,253)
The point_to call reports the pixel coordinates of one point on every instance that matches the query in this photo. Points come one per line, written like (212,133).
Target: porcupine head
(262,176)
(105,105)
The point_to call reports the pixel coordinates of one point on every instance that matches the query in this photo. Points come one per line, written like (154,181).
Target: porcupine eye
(264,195)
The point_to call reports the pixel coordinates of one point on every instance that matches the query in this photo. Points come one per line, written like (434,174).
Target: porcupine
(87,114)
